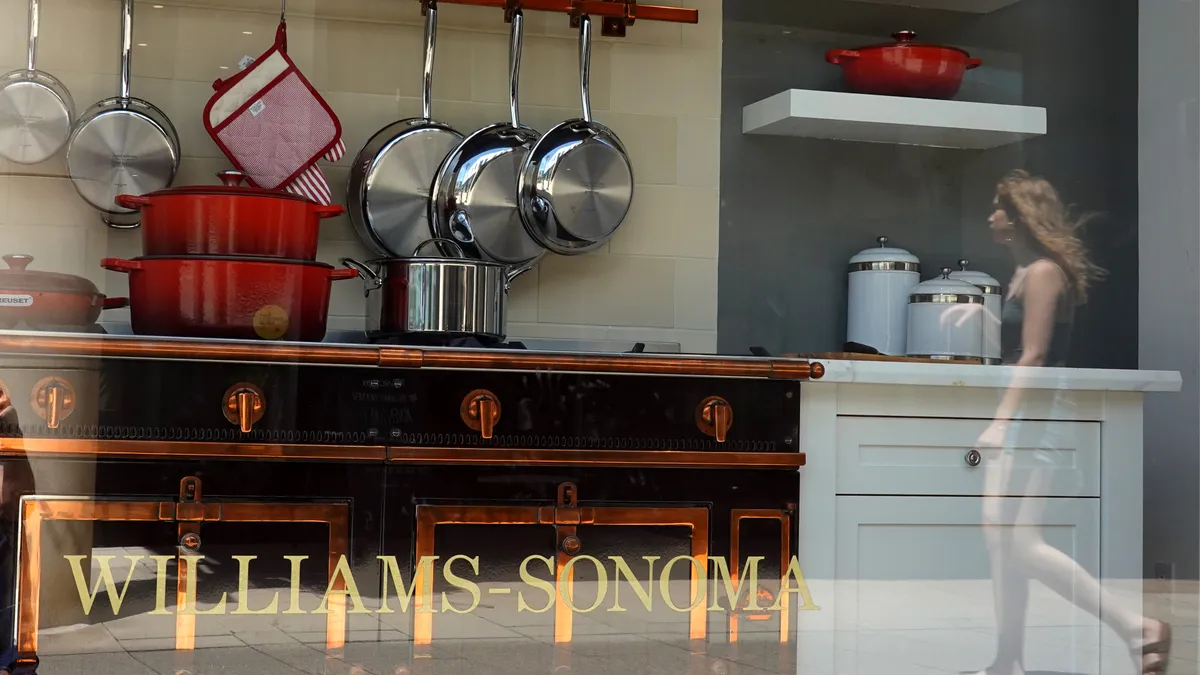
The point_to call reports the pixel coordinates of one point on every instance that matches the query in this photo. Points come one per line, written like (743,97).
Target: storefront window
(599,336)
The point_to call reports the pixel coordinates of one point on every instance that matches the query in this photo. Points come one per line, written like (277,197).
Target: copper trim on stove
(176,449)
(735,564)
(565,517)
(189,512)
(613,458)
(405,357)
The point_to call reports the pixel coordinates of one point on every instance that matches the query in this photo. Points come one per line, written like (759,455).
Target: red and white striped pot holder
(274,126)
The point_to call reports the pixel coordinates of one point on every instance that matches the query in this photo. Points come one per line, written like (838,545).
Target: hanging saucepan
(42,300)
(577,184)
(36,109)
(122,145)
(388,192)
(436,299)
(474,199)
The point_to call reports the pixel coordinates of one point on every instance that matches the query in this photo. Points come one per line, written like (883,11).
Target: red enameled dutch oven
(904,68)
(229,220)
(45,300)
(229,297)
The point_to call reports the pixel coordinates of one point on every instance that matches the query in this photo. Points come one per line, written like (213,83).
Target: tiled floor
(497,640)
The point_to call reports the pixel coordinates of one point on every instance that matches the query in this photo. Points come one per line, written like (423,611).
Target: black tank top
(1012,321)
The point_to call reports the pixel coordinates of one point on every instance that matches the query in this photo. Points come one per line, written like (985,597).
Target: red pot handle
(836,56)
(115,303)
(329,211)
(343,274)
(974,63)
(133,202)
(120,265)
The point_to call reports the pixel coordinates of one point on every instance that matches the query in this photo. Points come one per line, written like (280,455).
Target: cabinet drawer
(903,456)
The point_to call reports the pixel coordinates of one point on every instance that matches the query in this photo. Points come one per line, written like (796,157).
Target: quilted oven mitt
(273,125)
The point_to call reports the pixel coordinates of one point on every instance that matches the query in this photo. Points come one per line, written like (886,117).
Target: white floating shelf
(892,119)
(972,6)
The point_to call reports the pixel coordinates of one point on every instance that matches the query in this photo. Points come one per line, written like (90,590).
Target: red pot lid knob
(17,261)
(905,35)
(231,178)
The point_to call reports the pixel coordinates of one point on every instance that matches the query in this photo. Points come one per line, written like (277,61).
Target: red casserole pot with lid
(229,220)
(45,300)
(904,68)
(229,297)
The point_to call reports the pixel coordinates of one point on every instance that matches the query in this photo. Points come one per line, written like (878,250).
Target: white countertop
(961,375)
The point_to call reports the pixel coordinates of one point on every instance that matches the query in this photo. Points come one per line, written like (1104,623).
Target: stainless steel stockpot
(436,299)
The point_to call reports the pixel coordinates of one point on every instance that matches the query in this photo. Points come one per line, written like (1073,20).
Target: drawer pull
(974,458)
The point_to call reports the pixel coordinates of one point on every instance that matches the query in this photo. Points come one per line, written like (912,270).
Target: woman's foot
(1152,650)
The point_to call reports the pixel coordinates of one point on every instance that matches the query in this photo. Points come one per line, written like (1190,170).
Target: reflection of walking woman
(16,478)
(1052,278)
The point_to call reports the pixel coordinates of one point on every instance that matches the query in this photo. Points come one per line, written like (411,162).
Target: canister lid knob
(946,272)
(962,264)
(882,241)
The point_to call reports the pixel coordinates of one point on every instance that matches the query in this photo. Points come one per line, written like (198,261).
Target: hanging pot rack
(617,15)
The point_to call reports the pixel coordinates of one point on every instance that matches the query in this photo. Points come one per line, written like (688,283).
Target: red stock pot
(904,68)
(229,297)
(229,220)
(43,300)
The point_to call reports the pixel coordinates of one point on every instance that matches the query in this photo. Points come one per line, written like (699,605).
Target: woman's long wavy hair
(1039,215)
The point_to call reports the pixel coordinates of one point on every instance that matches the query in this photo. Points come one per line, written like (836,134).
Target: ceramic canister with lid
(881,280)
(945,320)
(993,301)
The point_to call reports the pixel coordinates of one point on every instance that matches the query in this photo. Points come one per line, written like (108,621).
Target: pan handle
(126,46)
(585,65)
(329,211)
(974,63)
(515,271)
(372,280)
(342,275)
(430,50)
(516,42)
(115,303)
(35,13)
(440,240)
(836,56)
(121,265)
(132,202)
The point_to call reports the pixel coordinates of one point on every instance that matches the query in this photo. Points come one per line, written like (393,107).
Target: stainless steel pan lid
(577,185)
(475,193)
(36,110)
(122,145)
(388,192)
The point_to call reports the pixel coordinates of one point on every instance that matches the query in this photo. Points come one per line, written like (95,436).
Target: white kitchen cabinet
(914,587)
(889,525)
(907,456)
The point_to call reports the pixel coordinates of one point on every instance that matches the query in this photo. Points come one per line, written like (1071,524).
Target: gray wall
(795,210)
(1169,244)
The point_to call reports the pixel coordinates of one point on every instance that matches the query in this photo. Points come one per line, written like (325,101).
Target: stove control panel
(292,404)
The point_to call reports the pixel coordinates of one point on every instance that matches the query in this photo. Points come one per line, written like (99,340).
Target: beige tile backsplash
(659,89)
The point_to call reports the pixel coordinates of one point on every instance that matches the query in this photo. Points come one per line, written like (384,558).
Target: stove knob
(53,400)
(715,417)
(481,411)
(245,405)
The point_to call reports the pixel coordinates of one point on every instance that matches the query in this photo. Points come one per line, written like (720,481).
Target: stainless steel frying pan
(388,192)
(475,193)
(122,145)
(577,184)
(36,109)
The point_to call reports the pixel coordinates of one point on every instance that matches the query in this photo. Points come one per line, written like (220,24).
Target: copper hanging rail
(617,14)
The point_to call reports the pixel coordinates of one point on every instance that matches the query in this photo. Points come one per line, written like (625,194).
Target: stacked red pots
(229,262)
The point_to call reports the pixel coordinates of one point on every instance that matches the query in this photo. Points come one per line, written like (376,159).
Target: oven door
(171,575)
